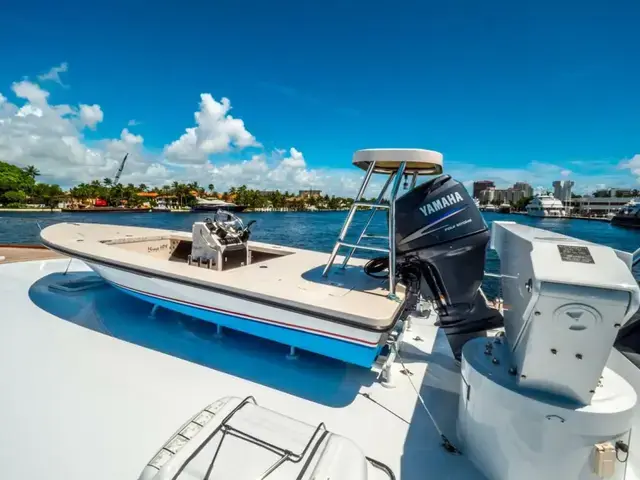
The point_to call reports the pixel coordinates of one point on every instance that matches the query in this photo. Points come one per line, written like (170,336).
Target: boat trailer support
(153,312)
(219,333)
(293,354)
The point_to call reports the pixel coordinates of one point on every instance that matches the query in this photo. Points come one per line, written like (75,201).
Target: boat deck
(92,384)
(292,276)
(24,253)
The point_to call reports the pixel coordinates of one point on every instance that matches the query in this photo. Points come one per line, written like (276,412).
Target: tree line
(18,187)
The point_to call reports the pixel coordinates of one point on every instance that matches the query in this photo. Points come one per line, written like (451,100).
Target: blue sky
(506,90)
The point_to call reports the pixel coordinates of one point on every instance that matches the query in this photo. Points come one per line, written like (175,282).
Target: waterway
(309,230)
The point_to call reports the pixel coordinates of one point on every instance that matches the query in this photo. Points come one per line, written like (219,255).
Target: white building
(562,190)
(505,195)
(487,195)
(525,188)
(598,206)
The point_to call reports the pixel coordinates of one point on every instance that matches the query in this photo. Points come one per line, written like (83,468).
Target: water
(309,230)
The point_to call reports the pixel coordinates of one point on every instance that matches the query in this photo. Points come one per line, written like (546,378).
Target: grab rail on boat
(314,443)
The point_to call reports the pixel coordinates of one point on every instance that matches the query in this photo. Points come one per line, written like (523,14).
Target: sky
(280,94)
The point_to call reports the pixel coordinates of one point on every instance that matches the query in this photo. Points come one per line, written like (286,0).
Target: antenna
(119,172)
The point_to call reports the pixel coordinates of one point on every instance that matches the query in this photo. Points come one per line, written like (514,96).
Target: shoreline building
(598,206)
(562,191)
(310,193)
(481,185)
(512,195)
(523,187)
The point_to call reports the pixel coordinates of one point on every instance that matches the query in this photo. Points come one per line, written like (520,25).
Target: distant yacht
(628,216)
(545,206)
(205,205)
(505,208)
(490,208)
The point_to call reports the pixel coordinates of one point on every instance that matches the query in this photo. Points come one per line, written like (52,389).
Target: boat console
(220,240)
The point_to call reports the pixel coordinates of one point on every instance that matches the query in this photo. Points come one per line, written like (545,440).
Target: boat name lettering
(440,203)
(164,246)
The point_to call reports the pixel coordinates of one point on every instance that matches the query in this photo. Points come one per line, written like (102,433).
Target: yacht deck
(92,387)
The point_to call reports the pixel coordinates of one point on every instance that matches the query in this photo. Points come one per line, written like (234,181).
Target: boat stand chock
(219,333)
(154,311)
(394,345)
(386,376)
(293,353)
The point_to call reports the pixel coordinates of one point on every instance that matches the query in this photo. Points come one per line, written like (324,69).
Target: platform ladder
(394,179)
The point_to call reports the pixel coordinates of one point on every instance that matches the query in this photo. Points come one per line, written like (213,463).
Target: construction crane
(119,172)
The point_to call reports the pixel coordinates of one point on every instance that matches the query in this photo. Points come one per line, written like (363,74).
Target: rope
(448,446)
(377,265)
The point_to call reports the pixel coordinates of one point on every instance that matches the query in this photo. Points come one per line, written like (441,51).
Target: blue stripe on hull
(330,347)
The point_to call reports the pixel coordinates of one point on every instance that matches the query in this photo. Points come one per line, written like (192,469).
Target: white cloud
(91,115)
(215,132)
(29,109)
(30,92)
(632,164)
(296,160)
(586,174)
(130,138)
(283,173)
(133,123)
(54,74)
(51,137)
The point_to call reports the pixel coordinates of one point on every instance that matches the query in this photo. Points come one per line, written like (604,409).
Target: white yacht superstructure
(545,206)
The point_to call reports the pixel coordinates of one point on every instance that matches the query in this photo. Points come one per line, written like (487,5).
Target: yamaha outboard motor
(441,234)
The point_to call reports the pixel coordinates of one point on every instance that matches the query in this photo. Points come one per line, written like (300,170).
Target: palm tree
(142,187)
(32,171)
(211,188)
(107,182)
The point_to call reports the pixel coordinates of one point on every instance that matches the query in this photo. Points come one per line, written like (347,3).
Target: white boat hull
(349,344)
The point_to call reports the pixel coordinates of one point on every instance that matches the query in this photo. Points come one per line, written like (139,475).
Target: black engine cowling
(441,232)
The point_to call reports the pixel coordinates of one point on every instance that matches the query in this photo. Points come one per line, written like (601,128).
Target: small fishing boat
(267,290)
(217,274)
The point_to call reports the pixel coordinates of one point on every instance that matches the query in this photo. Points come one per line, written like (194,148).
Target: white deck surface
(293,279)
(78,404)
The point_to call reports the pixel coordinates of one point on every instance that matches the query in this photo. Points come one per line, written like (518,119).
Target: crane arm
(119,172)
